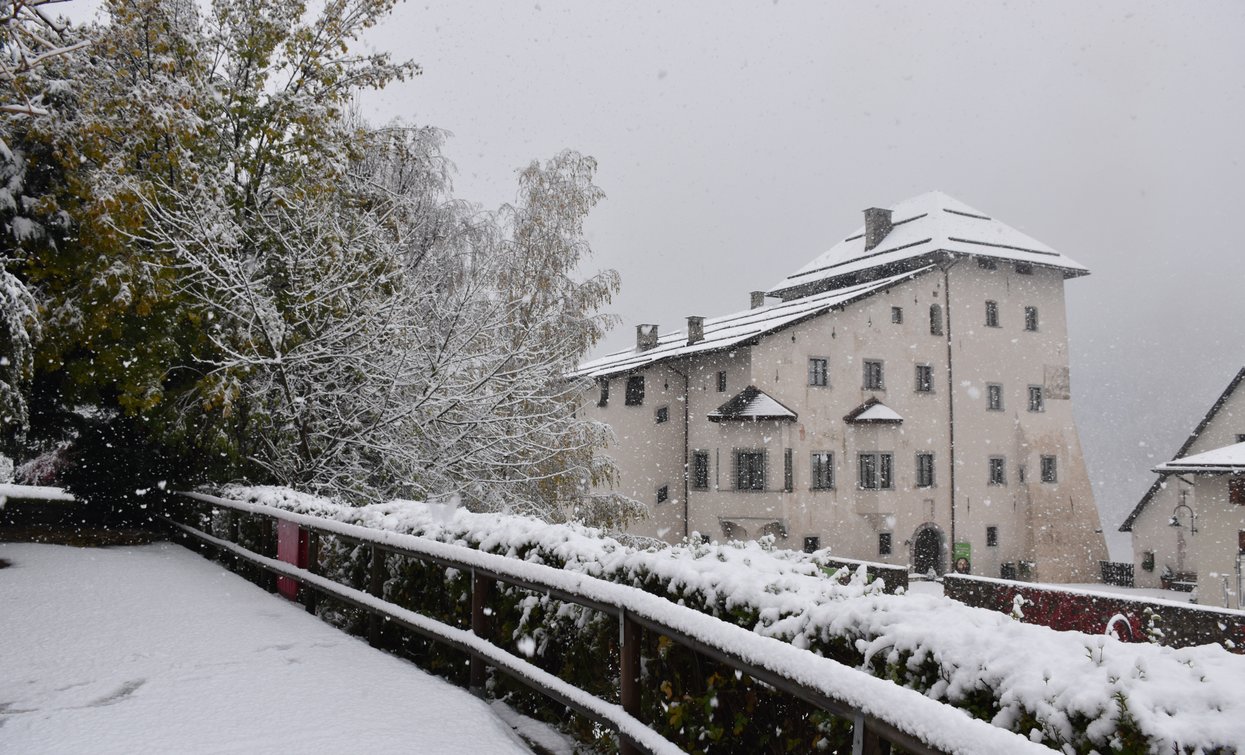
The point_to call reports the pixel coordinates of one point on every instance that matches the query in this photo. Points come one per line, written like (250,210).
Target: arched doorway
(927,549)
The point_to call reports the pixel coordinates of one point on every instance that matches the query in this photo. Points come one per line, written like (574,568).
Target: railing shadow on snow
(882,714)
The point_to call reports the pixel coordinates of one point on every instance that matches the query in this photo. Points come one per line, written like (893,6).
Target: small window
(875,471)
(986,263)
(605,393)
(663,494)
(750,470)
(788,471)
(1031,318)
(935,319)
(884,543)
(722,381)
(998,471)
(1050,472)
(992,536)
(663,414)
(822,465)
(817,371)
(925,470)
(812,544)
(994,397)
(992,314)
(897,315)
(1236,490)
(873,375)
(1024,268)
(635,391)
(1035,398)
(924,378)
(1240,437)
(700,470)
(1020,472)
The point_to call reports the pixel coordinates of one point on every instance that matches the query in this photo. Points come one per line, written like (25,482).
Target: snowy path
(154,649)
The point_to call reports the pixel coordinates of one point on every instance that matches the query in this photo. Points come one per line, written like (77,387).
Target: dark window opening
(897,315)
(998,472)
(873,375)
(635,391)
(925,470)
(1035,398)
(992,536)
(605,393)
(987,264)
(788,471)
(924,378)
(935,319)
(663,494)
(992,314)
(994,397)
(700,470)
(822,465)
(663,414)
(750,470)
(817,372)
(884,543)
(722,381)
(875,471)
(1024,268)
(1050,472)
(1236,490)
(812,543)
(1031,318)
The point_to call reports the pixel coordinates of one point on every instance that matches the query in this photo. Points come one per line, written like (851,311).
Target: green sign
(962,558)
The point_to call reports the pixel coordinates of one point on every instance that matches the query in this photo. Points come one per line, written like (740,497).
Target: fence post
(481,593)
(866,741)
(375,587)
(629,676)
(313,565)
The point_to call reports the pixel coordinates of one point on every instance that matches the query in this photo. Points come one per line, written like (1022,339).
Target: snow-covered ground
(154,649)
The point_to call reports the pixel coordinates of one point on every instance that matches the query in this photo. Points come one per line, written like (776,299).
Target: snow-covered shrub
(1072,691)
(6,469)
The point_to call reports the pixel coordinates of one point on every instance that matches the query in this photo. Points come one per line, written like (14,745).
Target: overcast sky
(738,141)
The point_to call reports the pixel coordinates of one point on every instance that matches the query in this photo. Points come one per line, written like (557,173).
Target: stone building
(904,398)
(1184,527)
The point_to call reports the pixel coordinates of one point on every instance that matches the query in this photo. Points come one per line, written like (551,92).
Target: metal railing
(882,714)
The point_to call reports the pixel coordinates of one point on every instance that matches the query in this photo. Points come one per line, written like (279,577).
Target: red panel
(292,549)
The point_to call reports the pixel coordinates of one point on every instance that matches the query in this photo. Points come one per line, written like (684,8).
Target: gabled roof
(875,412)
(1227,459)
(752,403)
(1127,526)
(732,330)
(922,227)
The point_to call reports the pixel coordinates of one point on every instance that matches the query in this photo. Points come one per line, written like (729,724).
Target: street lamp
(1175,520)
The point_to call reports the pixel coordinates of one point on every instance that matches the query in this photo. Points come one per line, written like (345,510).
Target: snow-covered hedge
(1072,691)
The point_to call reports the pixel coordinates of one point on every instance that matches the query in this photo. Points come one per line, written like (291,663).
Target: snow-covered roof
(734,329)
(873,411)
(921,226)
(752,403)
(1227,459)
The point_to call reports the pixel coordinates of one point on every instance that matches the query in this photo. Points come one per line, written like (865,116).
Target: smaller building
(1215,521)
(1182,528)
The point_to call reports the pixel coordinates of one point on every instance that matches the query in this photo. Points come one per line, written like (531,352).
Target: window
(1050,472)
(605,393)
(992,536)
(817,371)
(635,391)
(1240,437)
(935,319)
(722,381)
(663,494)
(1035,398)
(924,378)
(812,543)
(897,315)
(876,471)
(822,465)
(992,314)
(700,470)
(884,543)
(788,471)
(987,264)
(998,473)
(925,470)
(994,397)
(1020,472)
(873,375)
(1031,319)
(663,414)
(1236,490)
(750,470)
(1024,268)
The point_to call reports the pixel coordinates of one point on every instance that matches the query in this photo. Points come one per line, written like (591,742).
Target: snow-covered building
(1186,523)
(904,397)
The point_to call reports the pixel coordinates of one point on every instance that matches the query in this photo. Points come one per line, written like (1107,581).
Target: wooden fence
(882,714)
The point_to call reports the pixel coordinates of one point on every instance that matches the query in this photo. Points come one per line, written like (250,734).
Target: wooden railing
(882,713)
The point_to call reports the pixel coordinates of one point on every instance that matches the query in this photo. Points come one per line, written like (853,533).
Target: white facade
(907,394)
(1158,547)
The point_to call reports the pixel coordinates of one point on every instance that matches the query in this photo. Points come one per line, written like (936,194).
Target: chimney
(758,299)
(877,225)
(645,337)
(695,329)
